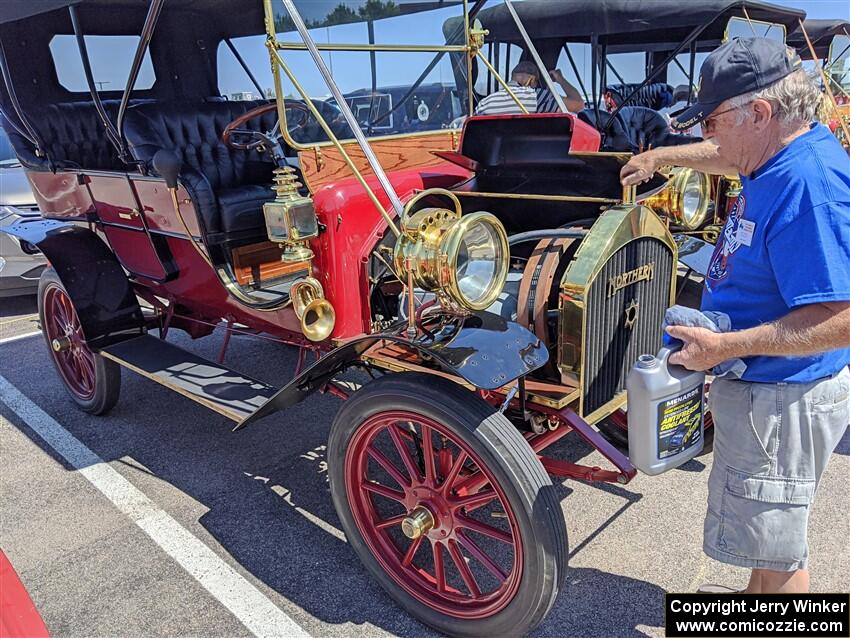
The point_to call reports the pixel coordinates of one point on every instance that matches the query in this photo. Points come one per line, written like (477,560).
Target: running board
(212,385)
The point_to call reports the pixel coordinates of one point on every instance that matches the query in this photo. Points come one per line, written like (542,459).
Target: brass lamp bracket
(285,184)
(477,33)
(408,225)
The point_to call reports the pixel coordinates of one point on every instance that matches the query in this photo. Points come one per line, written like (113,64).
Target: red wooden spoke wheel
(447,506)
(93,382)
(73,359)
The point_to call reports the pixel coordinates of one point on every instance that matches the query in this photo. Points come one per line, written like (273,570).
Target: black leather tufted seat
(634,129)
(228,187)
(73,137)
(614,136)
(656,95)
(647,129)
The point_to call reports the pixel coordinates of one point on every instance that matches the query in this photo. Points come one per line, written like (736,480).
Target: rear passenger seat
(228,186)
(73,137)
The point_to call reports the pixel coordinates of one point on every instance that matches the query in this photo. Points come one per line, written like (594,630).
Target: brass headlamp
(685,199)
(463,257)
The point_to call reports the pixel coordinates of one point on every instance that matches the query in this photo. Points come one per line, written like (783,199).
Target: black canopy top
(41,18)
(821,33)
(14,10)
(233,11)
(628,23)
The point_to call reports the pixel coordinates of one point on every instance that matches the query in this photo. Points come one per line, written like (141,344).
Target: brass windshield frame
(746,18)
(408,48)
(470,48)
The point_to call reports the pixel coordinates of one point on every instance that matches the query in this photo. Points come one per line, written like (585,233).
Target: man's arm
(572,98)
(806,330)
(701,156)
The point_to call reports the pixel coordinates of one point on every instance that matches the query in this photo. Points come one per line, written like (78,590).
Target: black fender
(483,349)
(91,274)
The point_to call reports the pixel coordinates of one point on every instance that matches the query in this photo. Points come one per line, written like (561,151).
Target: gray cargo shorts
(772,442)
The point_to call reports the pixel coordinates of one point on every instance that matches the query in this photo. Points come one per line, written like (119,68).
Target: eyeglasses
(709,123)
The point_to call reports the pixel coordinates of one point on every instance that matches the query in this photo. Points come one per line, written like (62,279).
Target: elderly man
(525,84)
(781,271)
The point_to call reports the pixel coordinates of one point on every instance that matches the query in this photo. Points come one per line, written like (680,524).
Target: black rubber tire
(508,456)
(107,373)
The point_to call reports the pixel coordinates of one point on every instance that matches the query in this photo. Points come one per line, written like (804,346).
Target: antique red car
(494,282)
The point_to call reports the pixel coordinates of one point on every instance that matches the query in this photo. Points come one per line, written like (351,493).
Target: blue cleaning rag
(711,320)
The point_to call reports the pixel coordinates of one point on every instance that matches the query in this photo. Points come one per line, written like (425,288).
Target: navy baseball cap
(737,67)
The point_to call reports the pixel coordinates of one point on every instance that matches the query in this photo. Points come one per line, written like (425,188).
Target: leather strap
(536,286)
(528,285)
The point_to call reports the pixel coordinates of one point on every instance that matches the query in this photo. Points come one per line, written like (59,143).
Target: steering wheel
(258,138)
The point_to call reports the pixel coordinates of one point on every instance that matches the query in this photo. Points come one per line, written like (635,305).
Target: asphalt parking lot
(156,520)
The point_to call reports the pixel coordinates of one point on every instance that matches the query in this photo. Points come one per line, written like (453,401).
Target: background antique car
(495,282)
(643,51)
(827,43)
(21,262)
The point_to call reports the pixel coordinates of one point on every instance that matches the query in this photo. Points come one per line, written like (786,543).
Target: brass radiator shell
(611,303)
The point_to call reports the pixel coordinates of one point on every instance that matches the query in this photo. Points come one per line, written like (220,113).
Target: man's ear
(762,113)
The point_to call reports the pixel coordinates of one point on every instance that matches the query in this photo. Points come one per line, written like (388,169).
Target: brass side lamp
(290,218)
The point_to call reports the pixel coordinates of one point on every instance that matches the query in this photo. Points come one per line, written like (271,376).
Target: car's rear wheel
(447,506)
(93,382)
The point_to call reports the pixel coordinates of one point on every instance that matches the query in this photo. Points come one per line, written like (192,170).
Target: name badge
(745,231)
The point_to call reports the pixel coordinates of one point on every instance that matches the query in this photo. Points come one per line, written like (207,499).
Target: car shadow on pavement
(268,499)
(597,603)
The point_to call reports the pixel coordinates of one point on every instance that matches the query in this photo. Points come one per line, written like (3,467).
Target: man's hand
(557,76)
(639,169)
(702,349)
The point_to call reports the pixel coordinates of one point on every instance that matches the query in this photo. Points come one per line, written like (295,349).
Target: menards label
(679,422)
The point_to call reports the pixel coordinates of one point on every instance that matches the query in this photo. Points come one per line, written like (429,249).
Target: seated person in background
(680,102)
(525,84)
(654,96)
(546,101)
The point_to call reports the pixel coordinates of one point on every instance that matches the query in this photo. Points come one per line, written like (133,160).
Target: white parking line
(26,335)
(249,605)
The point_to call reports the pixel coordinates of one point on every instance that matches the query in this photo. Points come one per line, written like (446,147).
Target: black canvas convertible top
(821,33)
(13,10)
(313,11)
(631,24)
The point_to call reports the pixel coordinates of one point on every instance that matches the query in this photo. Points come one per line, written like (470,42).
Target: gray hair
(795,99)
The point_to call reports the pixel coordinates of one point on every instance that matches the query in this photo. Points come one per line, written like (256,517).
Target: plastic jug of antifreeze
(665,413)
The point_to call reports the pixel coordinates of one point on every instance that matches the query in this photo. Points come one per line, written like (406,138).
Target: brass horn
(315,312)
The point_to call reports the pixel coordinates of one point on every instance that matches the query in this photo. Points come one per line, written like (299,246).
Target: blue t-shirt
(786,244)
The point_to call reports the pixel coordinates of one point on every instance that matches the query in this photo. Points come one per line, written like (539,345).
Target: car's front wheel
(447,506)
